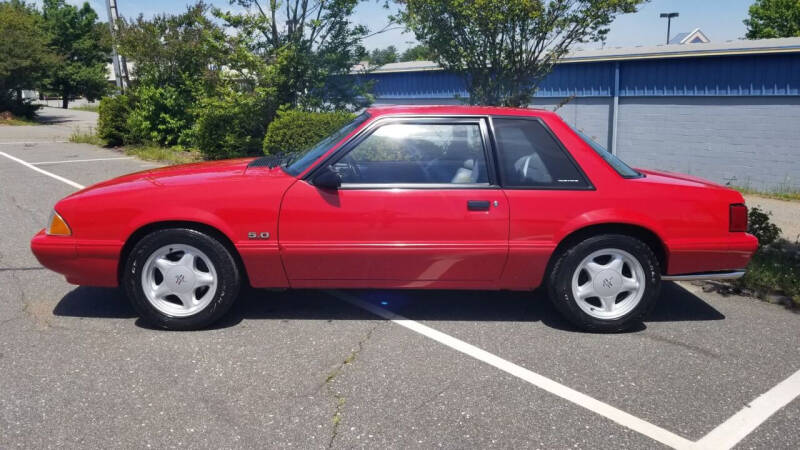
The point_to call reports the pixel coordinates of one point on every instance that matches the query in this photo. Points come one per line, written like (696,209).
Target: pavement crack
(338,398)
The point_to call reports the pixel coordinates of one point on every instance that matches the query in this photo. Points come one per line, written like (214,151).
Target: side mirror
(327,178)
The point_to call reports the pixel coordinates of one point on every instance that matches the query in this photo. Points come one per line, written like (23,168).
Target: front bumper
(92,265)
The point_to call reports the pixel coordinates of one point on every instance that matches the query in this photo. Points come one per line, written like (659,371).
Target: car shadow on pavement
(675,304)
(56,119)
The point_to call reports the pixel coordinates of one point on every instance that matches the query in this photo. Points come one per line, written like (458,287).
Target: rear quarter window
(530,156)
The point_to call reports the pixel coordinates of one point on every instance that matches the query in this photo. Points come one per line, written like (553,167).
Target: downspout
(614,111)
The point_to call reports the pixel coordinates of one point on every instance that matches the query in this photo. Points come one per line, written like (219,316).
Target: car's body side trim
(728,275)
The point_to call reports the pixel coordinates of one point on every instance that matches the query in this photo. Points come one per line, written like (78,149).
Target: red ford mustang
(446,197)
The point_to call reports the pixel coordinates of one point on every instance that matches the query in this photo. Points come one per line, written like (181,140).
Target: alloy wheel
(179,280)
(608,283)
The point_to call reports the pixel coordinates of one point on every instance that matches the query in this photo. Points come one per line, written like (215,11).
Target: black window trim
(589,185)
(583,137)
(488,149)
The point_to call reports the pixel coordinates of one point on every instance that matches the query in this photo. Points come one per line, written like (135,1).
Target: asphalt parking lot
(346,369)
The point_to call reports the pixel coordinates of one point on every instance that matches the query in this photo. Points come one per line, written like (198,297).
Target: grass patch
(6,118)
(90,108)
(774,271)
(169,155)
(86,137)
(787,193)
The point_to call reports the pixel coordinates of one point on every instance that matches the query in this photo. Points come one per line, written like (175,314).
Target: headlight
(57,226)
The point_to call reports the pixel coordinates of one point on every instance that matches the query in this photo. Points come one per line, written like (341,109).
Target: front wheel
(606,283)
(181,279)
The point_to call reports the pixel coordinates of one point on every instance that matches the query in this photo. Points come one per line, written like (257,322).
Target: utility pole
(669,17)
(117,61)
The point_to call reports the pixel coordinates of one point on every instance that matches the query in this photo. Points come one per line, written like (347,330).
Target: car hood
(194,173)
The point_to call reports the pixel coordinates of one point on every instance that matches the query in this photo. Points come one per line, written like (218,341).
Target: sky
(720,20)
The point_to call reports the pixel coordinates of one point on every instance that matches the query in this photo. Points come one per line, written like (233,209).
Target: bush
(161,115)
(112,122)
(295,130)
(233,123)
(759,225)
(8,102)
(775,268)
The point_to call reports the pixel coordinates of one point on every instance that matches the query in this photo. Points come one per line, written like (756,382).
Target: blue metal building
(726,111)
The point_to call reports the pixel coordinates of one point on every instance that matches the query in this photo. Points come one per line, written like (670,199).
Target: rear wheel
(181,279)
(606,283)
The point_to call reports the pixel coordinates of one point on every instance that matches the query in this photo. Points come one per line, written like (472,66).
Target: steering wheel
(352,167)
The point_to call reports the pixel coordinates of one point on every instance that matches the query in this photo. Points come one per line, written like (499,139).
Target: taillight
(738,217)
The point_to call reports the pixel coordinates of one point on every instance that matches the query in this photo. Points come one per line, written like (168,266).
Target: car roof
(456,110)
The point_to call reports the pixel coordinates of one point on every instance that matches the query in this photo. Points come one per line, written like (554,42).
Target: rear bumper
(92,265)
(728,254)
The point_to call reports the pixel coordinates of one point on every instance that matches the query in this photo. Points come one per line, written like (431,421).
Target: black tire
(566,263)
(228,278)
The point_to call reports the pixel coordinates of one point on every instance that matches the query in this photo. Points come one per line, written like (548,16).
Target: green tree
(180,62)
(379,57)
(504,48)
(176,50)
(26,58)
(417,53)
(84,45)
(773,19)
(310,48)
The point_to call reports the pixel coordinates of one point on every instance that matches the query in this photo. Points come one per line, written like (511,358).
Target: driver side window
(423,153)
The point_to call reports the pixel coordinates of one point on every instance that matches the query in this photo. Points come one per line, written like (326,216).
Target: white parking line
(621,417)
(33,142)
(733,430)
(49,174)
(725,436)
(79,160)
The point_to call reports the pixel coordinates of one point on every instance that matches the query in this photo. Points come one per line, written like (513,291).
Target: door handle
(478,205)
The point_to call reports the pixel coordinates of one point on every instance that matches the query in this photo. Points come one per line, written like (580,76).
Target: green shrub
(232,123)
(112,122)
(160,115)
(759,225)
(295,130)
(775,268)
(24,109)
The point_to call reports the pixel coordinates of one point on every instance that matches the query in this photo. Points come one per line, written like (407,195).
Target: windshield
(619,165)
(321,147)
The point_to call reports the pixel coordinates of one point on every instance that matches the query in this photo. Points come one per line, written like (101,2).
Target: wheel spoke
(608,302)
(187,299)
(593,268)
(616,264)
(187,260)
(586,290)
(629,284)
(160,291)
(163,264)
(203,279)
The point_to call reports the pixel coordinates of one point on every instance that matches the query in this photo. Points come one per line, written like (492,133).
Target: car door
(545,188)
(419,205)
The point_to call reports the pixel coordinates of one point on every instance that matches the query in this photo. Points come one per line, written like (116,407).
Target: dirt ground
(785,214)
